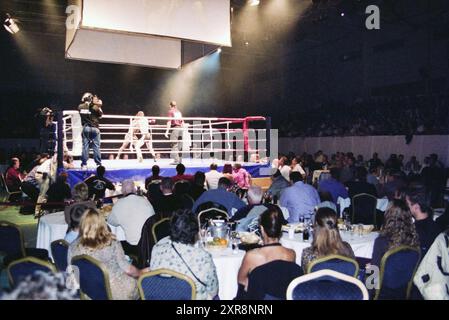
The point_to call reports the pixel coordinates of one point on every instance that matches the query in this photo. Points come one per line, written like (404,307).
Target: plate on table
(299,227)
(365,228)
(249,238)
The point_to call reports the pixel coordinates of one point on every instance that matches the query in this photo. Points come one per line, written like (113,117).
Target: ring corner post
(268,137)
(60,148)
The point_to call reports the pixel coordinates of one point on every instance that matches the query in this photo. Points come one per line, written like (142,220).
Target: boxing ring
(204,141)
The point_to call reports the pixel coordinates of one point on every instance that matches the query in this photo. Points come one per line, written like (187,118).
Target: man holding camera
(47,131)
(91,113)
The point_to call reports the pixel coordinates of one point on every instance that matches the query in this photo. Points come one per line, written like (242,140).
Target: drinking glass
(360,229)
(307,221)
(203,236)
(234,244)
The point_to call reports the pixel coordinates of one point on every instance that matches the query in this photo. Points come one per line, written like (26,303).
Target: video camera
(46,112)
(87,97)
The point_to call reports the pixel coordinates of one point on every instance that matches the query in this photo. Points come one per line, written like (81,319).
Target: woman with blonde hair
(97,241)
(326,239)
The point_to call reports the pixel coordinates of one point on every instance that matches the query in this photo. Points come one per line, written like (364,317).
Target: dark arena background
(314,132)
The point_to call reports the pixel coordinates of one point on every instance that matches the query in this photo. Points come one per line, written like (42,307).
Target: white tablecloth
(53,227)
(382,204)
(361,245)
(227,264)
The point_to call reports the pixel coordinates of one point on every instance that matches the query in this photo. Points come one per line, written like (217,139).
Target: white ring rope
(204,135)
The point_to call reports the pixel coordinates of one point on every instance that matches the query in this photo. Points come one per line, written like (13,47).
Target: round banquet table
(228,263)
(361,245)
(53,227)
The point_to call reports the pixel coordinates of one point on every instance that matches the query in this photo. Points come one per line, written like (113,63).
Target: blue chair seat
(164,284)
(270,281)
(59,251)
(397,269)
(93,278)
(18,270)
(327,285)
(337,263)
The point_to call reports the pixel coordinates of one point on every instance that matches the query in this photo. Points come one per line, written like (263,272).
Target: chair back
(161,229)
(326,285)
(211,213)
(93,277)
(270,281)
(59,250)
(3,182)
(5,185)
(181,187)
(154,190)
(18,270)
(164,284)
(397,269)
(187,201)
(11,239)
(146,242)
(364,209)
(209,205)
(337,263)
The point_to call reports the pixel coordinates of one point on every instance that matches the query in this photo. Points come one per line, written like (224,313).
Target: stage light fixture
(10,24)
(254,3)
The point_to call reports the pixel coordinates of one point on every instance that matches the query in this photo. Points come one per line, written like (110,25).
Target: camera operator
(47,131)
(91,113)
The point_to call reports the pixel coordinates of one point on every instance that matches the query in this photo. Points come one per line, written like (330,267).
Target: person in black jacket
(91,113)
(360,185)
(98,184)
(419,205)
(58,193)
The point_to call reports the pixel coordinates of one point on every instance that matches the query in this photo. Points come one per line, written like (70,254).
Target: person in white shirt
(284,168)
(212,177)
(131,212)
(296,167)
(45,175)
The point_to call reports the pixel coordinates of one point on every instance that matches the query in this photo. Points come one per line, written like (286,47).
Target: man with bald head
(130,212)
(175,124)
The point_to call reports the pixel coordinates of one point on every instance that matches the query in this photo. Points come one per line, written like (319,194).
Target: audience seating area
(328,277)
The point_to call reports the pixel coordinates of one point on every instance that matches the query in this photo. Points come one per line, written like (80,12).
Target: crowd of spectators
(420,115)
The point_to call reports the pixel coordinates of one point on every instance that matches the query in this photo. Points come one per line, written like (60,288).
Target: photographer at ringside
(91,113)
(47,132)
